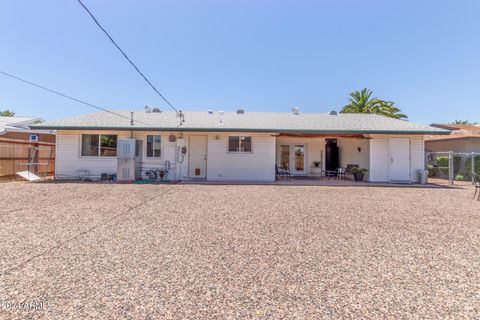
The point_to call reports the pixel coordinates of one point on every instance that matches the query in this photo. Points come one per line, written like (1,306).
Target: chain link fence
(453,166)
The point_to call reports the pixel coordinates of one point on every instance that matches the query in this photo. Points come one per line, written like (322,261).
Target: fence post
(450,168)
(473,167)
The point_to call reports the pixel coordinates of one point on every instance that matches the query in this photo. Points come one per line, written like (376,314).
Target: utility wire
(70,98)
(125,55)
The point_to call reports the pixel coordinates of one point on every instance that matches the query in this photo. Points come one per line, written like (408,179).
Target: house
(18,128)
(242,146)
(25,149)
(464,138)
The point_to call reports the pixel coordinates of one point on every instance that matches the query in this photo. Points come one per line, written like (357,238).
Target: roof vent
(296,110)
(333,113)
(240,111)
(156,110)
(210,111)
(148,109)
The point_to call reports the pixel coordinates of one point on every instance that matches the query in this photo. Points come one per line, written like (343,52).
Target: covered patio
(313,157)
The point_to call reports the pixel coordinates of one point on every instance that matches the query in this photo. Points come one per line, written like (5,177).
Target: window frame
(146,147)
(239,144)
(98,156)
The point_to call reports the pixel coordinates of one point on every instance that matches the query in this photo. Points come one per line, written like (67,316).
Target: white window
(153,146)
(99,145)
(239,144)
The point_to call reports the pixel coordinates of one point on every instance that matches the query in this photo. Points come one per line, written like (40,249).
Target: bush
(468,166)
(457,161)
(432,171)
(459,177)
(442,162)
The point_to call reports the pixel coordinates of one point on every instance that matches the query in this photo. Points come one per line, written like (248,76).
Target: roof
(454,126)
(460,131)
(277,122)
(16,123)
(454,137)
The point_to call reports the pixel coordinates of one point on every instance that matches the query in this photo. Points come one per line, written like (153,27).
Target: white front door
(298,159)
(400,159)
(197,160)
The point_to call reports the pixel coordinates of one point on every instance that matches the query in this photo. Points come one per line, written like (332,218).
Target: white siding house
(244,147)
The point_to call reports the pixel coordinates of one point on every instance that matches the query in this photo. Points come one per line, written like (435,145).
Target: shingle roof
(460,131)
(456,136)
(454,126)
(249,121)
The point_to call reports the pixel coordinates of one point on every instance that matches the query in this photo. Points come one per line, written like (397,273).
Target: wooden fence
(21,155)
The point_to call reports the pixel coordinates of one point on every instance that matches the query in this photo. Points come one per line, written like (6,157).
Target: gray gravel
(227,252)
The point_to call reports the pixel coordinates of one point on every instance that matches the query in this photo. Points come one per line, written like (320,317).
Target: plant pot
(358,176)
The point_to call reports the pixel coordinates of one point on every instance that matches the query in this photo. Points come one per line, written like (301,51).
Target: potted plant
(316,164)
(359,173)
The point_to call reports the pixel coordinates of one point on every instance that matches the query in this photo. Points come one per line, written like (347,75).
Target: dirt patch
(220,251)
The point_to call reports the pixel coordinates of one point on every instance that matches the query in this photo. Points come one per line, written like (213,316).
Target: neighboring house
(464,138)
(23,148)
(242,146)
(18,128)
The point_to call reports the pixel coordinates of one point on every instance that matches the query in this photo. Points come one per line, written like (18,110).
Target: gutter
(180,129)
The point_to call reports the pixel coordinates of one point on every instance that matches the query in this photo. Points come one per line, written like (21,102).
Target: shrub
(457,161)
(459,177)
(432,171)
(442,162)
(468,166)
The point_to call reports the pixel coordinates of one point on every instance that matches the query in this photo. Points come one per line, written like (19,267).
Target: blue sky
(258,55)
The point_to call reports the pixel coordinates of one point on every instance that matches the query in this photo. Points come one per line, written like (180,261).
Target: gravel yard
(226,251)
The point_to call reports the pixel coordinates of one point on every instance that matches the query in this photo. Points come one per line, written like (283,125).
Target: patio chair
(476,183)
(342,173)
(281,172)
(350,168)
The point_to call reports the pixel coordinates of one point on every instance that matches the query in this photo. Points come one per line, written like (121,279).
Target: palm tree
(7,113)
(363,102)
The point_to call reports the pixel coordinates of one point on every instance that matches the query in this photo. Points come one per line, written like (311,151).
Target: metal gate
(453,166)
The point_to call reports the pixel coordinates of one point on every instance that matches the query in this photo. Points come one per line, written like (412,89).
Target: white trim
(80,156)
(239,136)
(144,155)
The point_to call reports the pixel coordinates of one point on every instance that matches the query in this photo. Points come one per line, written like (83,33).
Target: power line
(125,55)
(70,98)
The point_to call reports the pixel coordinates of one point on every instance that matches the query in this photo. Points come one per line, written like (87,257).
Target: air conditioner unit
(126,148)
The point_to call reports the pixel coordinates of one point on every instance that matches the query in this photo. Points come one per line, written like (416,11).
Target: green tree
(463,122)
(7,113)
(364,102)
